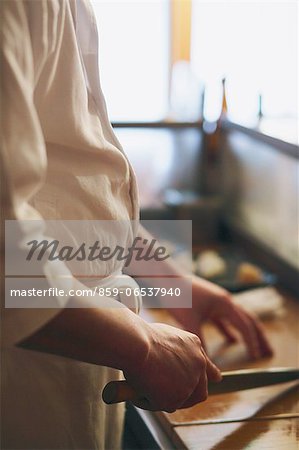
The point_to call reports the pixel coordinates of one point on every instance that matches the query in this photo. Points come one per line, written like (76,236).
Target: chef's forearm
(113,337)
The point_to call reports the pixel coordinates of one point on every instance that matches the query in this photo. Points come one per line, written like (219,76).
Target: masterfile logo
(146,251)
(49,262)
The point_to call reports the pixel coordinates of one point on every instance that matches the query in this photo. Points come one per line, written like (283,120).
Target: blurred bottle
(213,130)
(260,113)
(223,113)
(211,157)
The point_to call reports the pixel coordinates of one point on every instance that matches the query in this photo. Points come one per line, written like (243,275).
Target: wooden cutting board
(271,401)
(279,434)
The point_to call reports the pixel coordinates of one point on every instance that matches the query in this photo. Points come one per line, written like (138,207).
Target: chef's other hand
(175,372)
(214,304)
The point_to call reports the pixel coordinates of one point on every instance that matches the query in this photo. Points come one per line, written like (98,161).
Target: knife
(232,381)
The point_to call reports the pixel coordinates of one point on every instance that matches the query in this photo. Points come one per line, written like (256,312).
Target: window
(134,58)
(149,72)
(254,45)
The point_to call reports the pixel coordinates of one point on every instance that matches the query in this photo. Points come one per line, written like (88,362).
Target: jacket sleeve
(23,153)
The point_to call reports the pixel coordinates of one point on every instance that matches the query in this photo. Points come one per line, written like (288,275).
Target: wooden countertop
(245,419)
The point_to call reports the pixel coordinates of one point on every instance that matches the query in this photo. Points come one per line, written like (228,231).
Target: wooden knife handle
(118,391)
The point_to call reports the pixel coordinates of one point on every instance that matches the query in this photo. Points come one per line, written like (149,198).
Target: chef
(61,160)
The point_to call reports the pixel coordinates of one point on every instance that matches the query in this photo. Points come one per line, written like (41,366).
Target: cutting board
(271,401)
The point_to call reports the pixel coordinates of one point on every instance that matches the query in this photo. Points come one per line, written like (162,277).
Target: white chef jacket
(60,160)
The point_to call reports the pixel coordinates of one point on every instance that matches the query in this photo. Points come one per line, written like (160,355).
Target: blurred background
(157,57)
(203,96)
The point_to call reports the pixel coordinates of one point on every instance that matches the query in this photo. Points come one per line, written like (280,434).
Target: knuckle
(196,339)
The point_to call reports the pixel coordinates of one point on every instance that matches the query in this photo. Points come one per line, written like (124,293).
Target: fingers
(252,333)
(206,371)
(212,371)
(244,325)
(264,345)
(200,393)
(225,329)
(209,371)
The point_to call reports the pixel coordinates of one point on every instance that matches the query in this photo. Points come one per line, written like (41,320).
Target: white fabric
(60,160)
(128,289)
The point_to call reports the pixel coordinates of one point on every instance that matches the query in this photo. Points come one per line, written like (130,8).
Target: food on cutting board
(248,273)
(265,302)
(210,264)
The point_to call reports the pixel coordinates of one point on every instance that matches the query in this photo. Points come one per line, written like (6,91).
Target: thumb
(213,372)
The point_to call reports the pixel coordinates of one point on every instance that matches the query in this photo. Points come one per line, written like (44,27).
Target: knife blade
(239,380)
(232,381)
